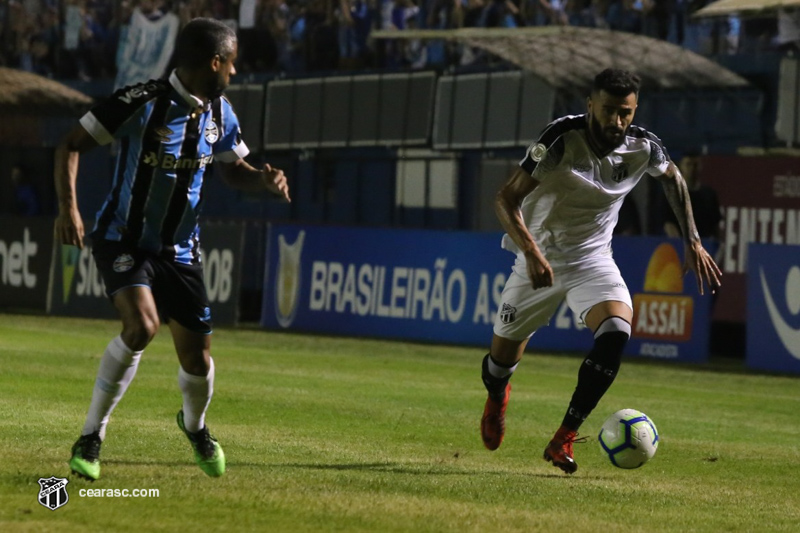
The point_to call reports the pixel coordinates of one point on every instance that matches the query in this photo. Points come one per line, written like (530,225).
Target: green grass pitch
(335,434)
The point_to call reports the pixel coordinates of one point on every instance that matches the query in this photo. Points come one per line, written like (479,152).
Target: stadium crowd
(70,39)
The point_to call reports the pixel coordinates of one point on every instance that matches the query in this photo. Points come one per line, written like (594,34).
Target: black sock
(595,376)
(494,385)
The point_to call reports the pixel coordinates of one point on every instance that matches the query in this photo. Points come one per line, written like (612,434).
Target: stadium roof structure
(722,8)
(569,57)
(25,93)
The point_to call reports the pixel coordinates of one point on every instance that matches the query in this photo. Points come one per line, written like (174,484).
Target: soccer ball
(628,438)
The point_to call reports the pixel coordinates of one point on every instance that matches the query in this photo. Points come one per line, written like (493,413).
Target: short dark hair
(200,40)
(616,82)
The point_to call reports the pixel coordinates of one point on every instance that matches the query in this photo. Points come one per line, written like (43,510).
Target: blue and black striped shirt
(167,141)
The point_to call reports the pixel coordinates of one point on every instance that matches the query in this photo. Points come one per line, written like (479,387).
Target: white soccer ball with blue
(628,438)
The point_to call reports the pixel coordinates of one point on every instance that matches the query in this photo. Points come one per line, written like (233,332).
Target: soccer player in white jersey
(146,239)
(559,209)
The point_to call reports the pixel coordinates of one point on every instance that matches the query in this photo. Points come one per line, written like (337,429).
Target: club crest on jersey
(162,134)
(123,263)
(212,132)
(508,314)
(53,492)
(619,172)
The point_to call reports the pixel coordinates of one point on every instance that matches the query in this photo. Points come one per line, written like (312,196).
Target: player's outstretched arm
(69,224)
(697,258)
(507,207)
(241,175)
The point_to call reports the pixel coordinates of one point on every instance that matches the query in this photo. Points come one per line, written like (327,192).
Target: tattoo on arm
(678,198)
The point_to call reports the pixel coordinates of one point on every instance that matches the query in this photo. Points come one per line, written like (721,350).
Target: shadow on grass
(400,468)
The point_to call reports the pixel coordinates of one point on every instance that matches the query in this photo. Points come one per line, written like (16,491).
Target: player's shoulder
(648,142)
(638,132)
(138,94)
(560,127)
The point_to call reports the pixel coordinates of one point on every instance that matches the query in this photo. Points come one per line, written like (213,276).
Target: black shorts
(178,289)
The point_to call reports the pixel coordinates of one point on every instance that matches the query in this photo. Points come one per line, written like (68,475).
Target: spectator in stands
(788,38)
(500,14)
(444,15)
(705,203)
(657,17)
(321,41)
(354,23)
(628,15)
(26,196)
(264,45)
(553,12)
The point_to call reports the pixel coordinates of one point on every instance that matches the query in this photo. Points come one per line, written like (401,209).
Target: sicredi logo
(15,258)
(789,336)
(89,282)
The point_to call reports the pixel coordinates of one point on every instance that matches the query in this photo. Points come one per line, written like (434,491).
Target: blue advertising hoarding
(773,307)
(442,286)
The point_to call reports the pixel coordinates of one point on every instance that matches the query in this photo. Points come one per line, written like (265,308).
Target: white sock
(197,392)
(500,371)
(117,369)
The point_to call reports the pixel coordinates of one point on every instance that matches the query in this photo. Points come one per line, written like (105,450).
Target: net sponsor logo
(15,261)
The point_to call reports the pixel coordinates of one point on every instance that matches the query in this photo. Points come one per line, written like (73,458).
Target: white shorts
(523,310)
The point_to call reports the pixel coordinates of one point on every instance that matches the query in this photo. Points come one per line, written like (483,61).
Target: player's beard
(606,138)
(216,86)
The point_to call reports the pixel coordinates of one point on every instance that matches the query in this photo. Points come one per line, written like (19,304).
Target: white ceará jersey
(572,212)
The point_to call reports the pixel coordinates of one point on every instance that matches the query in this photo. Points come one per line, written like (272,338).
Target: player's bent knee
(609,341)
(137,332)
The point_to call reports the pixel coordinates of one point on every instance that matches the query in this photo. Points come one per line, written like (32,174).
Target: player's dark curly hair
(200,40)
(616,82)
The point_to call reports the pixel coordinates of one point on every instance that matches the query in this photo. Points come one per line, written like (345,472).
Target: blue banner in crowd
(145,48)
(445,287)
(773,307)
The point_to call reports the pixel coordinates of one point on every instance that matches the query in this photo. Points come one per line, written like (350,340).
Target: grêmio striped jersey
(572,212)
(167,141)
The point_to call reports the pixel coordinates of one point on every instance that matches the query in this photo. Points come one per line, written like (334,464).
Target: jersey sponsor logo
(508,314)
(123,263)
(538,151)
(137,92)
(170,162)
(619,172)
(162,134)
(789,336)
(287,282)
(53,492)
(211,132)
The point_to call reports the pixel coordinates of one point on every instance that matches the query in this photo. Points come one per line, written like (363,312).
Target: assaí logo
(789,335)
(662,312)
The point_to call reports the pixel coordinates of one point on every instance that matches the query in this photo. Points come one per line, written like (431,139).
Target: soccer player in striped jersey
(146,240)
(559,209)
